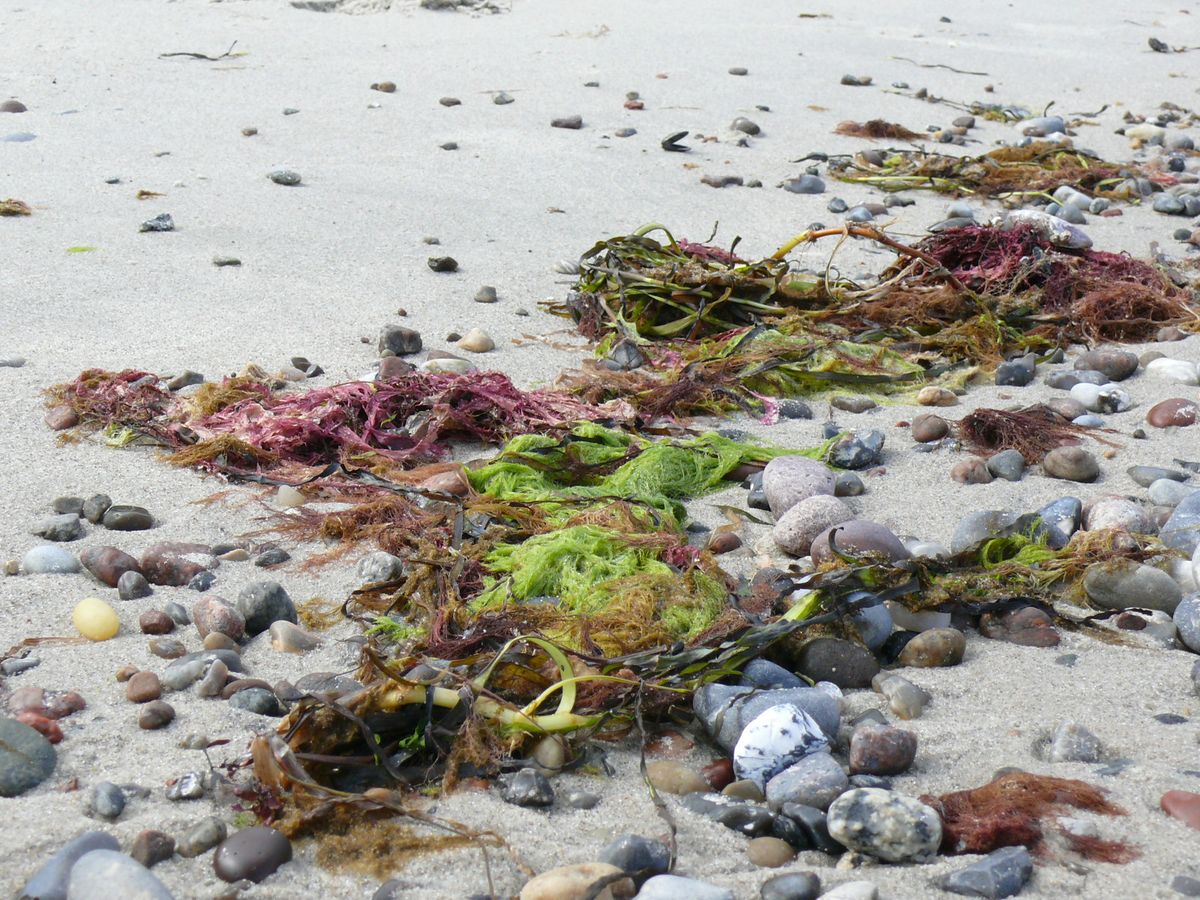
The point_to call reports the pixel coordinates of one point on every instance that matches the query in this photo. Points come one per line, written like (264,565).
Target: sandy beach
(329,262)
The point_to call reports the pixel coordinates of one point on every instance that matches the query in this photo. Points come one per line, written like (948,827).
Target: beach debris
(876,129)
(228,53)
(671,142)
(286,177)
(13,207)
(161,222)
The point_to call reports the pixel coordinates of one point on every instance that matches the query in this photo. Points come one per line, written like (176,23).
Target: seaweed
(12,207)
(875,129)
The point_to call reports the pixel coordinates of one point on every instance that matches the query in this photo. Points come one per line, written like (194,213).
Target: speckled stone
(787,480)
(886,825)
(775,740)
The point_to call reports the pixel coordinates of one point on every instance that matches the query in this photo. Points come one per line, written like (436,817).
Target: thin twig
(939,66)
(189,55)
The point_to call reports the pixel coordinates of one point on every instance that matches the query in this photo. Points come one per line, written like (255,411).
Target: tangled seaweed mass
(553,588)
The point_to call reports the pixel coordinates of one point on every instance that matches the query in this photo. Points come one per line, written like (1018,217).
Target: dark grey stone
(264,602)
(257,700)
(1059,520)
(1002,873)
(133,586)
(637,855)
(95,506)
(123,517)
(859,450)
(793,886)
(527,787)
(106,800)
(26,758)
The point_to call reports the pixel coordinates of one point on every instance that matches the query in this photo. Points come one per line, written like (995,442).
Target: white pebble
(1179,371)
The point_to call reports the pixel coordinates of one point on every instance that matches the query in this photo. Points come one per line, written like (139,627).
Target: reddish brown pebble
(393,367)
(125,673)
(670,744)
(214,614)
(1176,411)
(108,564)
(155,621)
(971,471)
(724,541)
(167,564)
(1184,806)
(881,750)
(1027,626)
(718,773)
(61,417)
(241,684)
(156,714)
(48,727)
(634,104)
(928,427)
(452,482)
(152,847)
(143,687)
(1111,213)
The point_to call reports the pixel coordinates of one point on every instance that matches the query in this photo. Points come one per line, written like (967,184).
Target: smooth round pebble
(95,619)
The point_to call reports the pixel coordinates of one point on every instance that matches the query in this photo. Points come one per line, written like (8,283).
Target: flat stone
(676,887)
(639,856)
(110,873)
(815,780)
(1002,873)
(152,847)
(26,758)
(1071,464)
(286,177)
(258,700)
(61,528)
(1123,583)
(673,777)
(842,662)
(792,886)
(1147,475)
(1072,742)
(1184,806)
(984,525)
(201,837)
(928,427)
(396,340)
(127,518)
(50,881)
(108,564)
(252,854)
(886,825)
(858,537)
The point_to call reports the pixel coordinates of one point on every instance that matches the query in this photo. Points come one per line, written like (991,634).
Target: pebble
(213,682)
(201,837)
(796,529)
(161,222)
(50,881)
(1015,372)
(774,740)
(885,825)
(476,341)
(47,559)
(847,484)
(152,847)
(106,800)
(858,537)
(95,619)
(844,663)
(805,184)
(1186,885)
(264,602)
(792,886)
(769,852)
(881,750)
(1187,622)
(1116,512)
(1117,365)
(905,699)
(1071,464)
(273,557)
(13,106)
(726,709)
(486,294)
(577,882)
(26,758)
(1072,742)
(60,528)
(442,263)
(450,101)
(143,687)
(155,714)
(110,873)
(1184,806)
(1026,626)
(676,887)
(187,378)
(1147,475)
(286,177)
(252,853)
(673,777)
(928,427)
(108,564)
(202,581)
(787,480)
(971,471)
(637,855)
(1060,519)
(1176,411)
(1123,583)
(1175,370)
(815,780)
(167,648)
(127,518)
(257,700)
(502,98)
(1182,530)
(859,450)
(936,396)
(396,340)
(1103,398)
(853,404)
(574,122)
(189,786)
(1007,464)
(213,614)
(934,648)
(582,799)
(222,262)
(380,566)
(1002,873)
(527,787)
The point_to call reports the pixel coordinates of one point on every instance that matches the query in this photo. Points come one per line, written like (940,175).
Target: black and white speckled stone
(777,738)
(885,825)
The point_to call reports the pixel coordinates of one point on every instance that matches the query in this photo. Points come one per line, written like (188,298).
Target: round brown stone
(881,750)
(1176,411)
(934,648)
(770,852)
(155,621)
(156,714)
(928,427)
(143,687)
(971,471)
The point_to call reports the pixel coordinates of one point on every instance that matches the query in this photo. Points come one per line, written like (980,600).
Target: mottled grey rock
(792,886)
(859,536)
(380,566)
(795,530)
(133,586)
(1124,583)
(1007,464)
(201,837)
(161,222)
(815,780)
(106,801)
(60,528)
(726,709)
(1187,621)
(775,740)
(257,700)
(264,602)
(762,673)
(1169,492)
(527,787)
(26,758)
(841,662)
(286,177)
(396,340)
(1002,873)
(47,559)
(50,881)
(787,480)
(885,825)
(1116,512)
(859,450)
(637,855)
(805,184)
(1059,519)
(1182,530)
(1072,742)
(1015,372)
(95,506)
(1116,365)
(984,525)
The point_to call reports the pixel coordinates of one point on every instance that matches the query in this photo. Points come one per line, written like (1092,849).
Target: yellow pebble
(95,619)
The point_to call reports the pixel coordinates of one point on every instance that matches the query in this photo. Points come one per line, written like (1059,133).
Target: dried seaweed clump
(1016,808)
(876,129)
(1034,431)
(11,207)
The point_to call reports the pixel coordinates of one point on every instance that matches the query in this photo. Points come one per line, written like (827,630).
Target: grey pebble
(264,602)
(502,98)
(273,557)
(573,123)
(257,700)
(1002,873)
(805,184)
(106,800)
(527,787)
(161,222)
(110,873)
(60,528)
(201,837)
(26,758)
(50,881)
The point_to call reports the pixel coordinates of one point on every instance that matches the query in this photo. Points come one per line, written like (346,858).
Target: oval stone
(886,825)
(789,479)
(858,536)
(108,564)
(1175,411)
(252,853)
(26,758)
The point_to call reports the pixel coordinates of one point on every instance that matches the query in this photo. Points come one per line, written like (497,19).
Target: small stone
(733,70)
(905,699)
(213,614)
(502,98)
(486,294)
(1124,583)
(264,602)
(95,619)
(289,638)
(859,450)
(252,853)
(221,262)
(1002,873)
(50,881)
(110,873)
(774,740)
(1072,742)
(769,852)
(106,801)
(858,537)
(881,750)
(1007,464)
(12,106)
(971,471)
(1184,806)
(187,787)
(936,396)
(573,123)
(1117,365)
(450,101)
(26,758)
(1071,464)
(202,581)
(796,529)
(177,612)
(386,87)
(396,340)
(853,404)
(60,528)
(273,557)
(155,714)
(787,480)
(934,648)
(672,777)
(745,126)
(1116,513)
(676,887)
(258,700)
(805,184)
(1026,626)
(94,508)
(815,780)
(793,886)
(152,847)
(1187,622)
(1176,411)
(1178,371)
(527,787)
(47,559)
(885,825)
(127,518)
(213,682)
(636,855)
(1060,519)
(476,341)
(840,662)
(1186,885)
(442,263)
(286,177)
(167,648)
(143,687)
(161,222)
(581,800)
(928,427)
(582,881)
(201,837)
